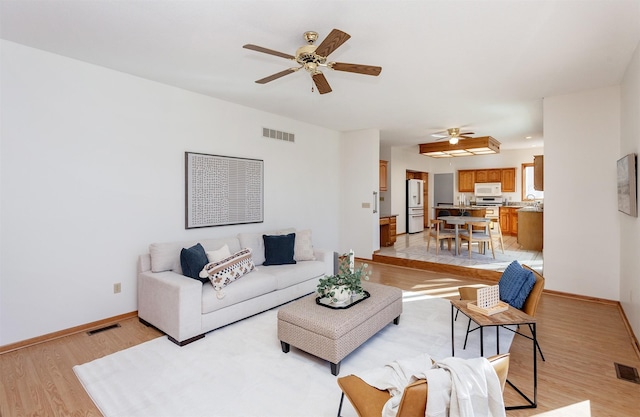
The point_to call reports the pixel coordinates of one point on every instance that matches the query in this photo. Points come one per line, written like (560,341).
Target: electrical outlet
(117,287)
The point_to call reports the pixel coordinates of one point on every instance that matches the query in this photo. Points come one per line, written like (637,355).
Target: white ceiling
(484,65)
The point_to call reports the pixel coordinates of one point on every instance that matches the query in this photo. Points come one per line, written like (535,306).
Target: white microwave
(488,189)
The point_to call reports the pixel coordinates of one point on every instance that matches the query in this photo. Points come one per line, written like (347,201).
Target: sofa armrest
(326,256)
(171,302)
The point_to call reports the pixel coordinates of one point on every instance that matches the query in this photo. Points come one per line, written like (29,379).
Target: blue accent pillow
(192,261)
(515,285)
(279,249)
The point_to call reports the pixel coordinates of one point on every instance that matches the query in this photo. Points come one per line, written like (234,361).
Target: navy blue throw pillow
(515,285)
(278,249)
(192,261)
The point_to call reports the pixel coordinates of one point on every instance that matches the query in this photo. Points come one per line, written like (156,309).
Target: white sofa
(185,308)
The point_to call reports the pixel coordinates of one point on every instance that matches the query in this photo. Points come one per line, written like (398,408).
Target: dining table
(461,220)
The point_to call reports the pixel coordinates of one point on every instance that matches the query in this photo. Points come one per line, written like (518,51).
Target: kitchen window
(528,193)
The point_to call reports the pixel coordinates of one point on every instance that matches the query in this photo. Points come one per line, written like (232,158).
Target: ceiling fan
(453,134)
(313,57)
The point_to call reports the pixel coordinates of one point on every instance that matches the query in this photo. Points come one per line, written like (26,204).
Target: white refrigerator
(415,206)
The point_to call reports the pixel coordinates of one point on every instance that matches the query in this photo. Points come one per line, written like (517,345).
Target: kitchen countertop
(531,210)
(520,206)
(382,216)
(460,207)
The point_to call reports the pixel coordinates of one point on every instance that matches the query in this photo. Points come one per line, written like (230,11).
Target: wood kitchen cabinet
(466,181)
(538,172)
(530,235)
(508,180)
(509,220)
(468,177)
(384,165)
(387,230)
(488,175)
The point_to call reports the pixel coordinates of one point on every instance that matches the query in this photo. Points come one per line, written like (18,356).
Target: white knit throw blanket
(456,387)
(474,386)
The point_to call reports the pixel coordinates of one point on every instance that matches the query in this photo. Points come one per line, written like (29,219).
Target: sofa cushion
(218,254)
(252,285)
(288,275)
(515,284)
(279,249)
(192,260)
(166,256)
(303,250)
(226,271)
(255,242)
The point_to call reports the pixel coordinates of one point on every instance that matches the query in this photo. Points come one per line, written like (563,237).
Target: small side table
(512,316)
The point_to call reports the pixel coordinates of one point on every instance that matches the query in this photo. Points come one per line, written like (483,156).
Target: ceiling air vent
(277,134)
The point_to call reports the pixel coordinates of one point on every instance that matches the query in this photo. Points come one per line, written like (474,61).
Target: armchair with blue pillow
(520,287)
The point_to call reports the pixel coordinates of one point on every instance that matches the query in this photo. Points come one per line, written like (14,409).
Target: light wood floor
(580,339)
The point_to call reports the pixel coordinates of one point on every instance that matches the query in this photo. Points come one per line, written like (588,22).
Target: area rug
(240,370)
(444,256)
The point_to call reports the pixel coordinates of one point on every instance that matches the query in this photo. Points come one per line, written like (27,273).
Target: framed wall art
(222,190)
(627,191)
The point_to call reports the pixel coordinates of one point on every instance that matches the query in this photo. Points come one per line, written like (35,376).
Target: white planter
(341,295)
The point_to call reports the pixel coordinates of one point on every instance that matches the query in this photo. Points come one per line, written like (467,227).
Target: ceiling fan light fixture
(465,147)
(453,140)
(438,155)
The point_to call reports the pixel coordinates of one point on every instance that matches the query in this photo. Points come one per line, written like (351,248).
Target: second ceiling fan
(314,57)
(453,134)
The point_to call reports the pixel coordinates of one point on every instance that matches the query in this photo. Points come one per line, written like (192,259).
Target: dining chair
(369,401)
(472,236)
(438,233)
(496,232)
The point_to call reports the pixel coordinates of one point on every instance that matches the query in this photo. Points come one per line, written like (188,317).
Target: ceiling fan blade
(277,75)
(321,83)
(357,68)
(268,51)
(332,42)
(466,133)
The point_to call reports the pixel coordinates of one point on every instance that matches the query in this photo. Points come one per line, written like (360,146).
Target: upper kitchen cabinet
(488,175)
(384,165)
(468,177)
(508,180)
(538,172)
(466,181)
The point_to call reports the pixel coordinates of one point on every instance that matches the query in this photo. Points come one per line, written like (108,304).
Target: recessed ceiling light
(528,137)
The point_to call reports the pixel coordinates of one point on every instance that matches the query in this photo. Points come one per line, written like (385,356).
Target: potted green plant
(346,283)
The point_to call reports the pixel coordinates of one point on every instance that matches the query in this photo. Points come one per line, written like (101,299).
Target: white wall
(360,226)
(630,226)
(92,171)
(581,218)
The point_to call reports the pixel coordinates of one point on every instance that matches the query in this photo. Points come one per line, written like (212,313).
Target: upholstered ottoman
(332,334)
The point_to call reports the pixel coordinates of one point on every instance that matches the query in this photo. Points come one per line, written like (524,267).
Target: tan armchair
(530,305)
(368,401)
